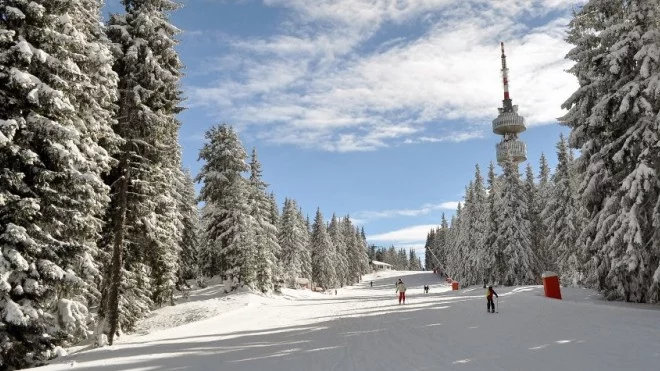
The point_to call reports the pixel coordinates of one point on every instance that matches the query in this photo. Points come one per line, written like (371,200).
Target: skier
(371,283)
(489,299)
(401,289)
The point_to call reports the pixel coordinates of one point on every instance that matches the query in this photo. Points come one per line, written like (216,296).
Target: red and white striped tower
(509,124)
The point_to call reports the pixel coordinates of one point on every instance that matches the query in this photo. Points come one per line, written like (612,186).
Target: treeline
(597,219)
(398,259)
(245,239)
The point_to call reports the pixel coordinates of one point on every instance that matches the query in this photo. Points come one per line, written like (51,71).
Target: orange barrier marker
(551,285)
(454,285)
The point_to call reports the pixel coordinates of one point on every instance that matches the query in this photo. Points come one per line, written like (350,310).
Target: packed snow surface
(364,328)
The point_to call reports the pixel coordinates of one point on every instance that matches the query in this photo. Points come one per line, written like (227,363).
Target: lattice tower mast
(509,124)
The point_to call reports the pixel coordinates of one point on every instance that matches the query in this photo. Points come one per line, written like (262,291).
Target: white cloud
(366,216)
(409,235)
(316,85)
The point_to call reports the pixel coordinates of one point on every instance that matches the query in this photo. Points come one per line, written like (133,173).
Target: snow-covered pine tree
(143,230)
(341,260)
(413,261)
(354,251)
(465,240)
(57,94)
(519,261)
(363,246)
(492,258)
(440,244)
(274,211)
(208,256)
(305,245)
(189,219)
(402,259)
(265,234)
(453,241)
(539,228)
(531,191)
(562,217)
(291,245)
(278,272)
(323,254)
(614,120)
(229,242)
(479,215)
(428,249)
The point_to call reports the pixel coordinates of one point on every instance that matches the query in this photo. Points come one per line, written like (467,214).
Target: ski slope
(363,328)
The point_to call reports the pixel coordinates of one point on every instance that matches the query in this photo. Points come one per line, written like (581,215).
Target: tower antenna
(505,80)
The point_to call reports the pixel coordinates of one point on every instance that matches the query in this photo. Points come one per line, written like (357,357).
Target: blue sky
(379,109)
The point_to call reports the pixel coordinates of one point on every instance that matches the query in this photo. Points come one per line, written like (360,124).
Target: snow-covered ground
(363,328)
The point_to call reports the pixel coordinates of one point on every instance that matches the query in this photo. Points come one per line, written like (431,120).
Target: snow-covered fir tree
(539,229)
(492,256)
(453,240)
(439,246)
(562,216)
(413,261)
(531,191)
(614,120)
(265,233)
(355,254)
(189,219)
(143,233)
(229,248)
(428,249)
(339,243)
(305,241)
(479,215)
(57,94)
(518,263)
(323,254)
(362,242)
(464,241)
(293,239)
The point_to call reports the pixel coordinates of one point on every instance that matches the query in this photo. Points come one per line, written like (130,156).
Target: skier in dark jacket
(489,299)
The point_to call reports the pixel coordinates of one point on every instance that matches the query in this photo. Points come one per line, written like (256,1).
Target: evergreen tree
(562,216)
(613,121)
(189,219)
(465,241)
(265,234)
(230,248)
(428,249)
(339,243)
(143,233)
(291,238)
(57,94)
(323,254)
(479,215)
(540,230)
(531,191)
(492,261)
(306,246)
(362,242)
(413,264)
(354,251)
(519,264)
(440,245)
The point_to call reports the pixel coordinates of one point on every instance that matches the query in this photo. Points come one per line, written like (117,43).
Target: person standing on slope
(401,289)
(489,299)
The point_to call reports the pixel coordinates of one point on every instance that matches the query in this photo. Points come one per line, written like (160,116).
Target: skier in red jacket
(489,299)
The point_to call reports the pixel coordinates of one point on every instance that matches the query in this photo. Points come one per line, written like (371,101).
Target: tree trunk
(112,310)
